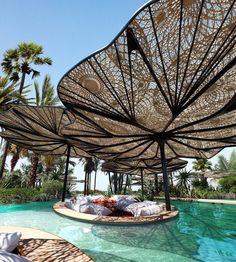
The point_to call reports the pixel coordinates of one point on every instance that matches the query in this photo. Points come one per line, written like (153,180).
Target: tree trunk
(33,170)
(4,157)
(156,184)
(14,160)
(85,183)
(109,176)
(95,180)
(22,82)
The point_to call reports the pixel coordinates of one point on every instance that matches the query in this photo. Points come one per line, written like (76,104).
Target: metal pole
(165,176)
(66,173)
(142,181)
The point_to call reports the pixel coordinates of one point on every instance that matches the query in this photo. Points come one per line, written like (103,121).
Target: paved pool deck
(214,201)
(40,246)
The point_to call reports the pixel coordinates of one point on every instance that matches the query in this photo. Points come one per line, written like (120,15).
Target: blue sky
(69,30)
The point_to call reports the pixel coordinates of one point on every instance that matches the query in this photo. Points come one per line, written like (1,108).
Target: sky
(69,30)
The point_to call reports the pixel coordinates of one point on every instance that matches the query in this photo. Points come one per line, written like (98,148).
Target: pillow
(9,241)
(9,257)
(69,204)
(146,206)
(93,209)
(122,203)
(149,210)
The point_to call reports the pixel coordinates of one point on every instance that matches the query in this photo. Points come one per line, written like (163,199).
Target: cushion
(93,209)
(149,210)
(9,241)
(69,204)
(122,203)
(136,208)
(9,257)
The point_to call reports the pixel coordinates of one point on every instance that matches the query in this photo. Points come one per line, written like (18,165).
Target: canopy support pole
(142,181)
(66,173)
(165,175)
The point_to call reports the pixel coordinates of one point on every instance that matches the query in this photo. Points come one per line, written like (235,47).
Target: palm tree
(183,179)
(33,170)
(224,165)
(202,165)
(88,169)
(97,163)
(8,98)
(16,152)
(47,97)
(17,62)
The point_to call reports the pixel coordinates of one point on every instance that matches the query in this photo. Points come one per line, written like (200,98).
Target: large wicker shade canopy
(164,86)
(39,129)
(144,167)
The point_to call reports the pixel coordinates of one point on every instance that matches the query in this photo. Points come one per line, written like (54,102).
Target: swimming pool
(202,232)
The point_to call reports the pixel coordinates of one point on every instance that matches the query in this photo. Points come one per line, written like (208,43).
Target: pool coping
(36,245)
(203,200)
(61,209)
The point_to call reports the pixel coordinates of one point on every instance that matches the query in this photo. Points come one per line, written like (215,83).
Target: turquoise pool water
(202,232)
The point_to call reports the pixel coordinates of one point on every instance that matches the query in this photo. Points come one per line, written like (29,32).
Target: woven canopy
(146,167)
(165,87)
(168,76)
(39,129)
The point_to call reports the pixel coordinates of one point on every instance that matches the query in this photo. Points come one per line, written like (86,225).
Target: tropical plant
(202,165)
(17,63)
(17,195)
(52,188)
(88,169)
(47,96)
(224,165)
(33,169)
(97,163)
(227,183)
(183,179)
(17,152)
(8,94)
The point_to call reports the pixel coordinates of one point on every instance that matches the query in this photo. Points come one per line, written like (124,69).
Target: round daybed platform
(61,209)
(40,246)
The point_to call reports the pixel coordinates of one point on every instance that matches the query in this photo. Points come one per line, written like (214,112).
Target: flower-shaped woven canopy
(39,129)
(144,167)
(168,76)
(164,87)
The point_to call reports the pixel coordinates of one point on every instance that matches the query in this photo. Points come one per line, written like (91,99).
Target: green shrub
(227,182)
(17,195)
(52,188)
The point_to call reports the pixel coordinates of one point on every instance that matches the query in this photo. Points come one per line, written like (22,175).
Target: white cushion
(144,208)
(9,257)
(9,241)
(93,209)
(150,210)
(69,204)
(122,203)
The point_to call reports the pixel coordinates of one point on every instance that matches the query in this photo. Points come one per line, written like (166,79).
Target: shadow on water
(102,256)
(185,236)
